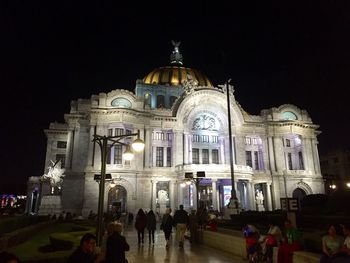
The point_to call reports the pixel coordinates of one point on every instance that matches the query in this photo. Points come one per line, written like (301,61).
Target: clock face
(121,103)
(288,115)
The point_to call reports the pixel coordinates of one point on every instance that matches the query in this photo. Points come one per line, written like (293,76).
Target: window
(195,156)
(248,141)
(109,153)
(301,161)
(205,138)
(215,156)
(128,131)
(110,132)
(287,143)
(215,139)
(119,131)
(248,156)
(62,158)
(290,164)
(168,136)
(256,160)
(118,153)
(195,138)
(159,156)
(160,101)
(205,156)
(168,156)
(127,163)
(61,144)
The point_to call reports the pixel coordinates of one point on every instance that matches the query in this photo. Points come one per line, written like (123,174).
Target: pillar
(154,195)
(214,194)
(186,150)
(172,195)
(268,193)
(251,196)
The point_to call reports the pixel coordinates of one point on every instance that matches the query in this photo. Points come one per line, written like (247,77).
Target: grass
(38,248)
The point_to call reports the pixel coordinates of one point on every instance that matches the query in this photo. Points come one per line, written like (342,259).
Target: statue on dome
(55,176)
(176,45)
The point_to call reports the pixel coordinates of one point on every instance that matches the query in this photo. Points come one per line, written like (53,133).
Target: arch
(299,194)
(208,100)
(305,187)
(117,199)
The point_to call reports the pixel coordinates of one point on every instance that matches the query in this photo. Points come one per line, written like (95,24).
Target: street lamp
(102,141)
(233,200)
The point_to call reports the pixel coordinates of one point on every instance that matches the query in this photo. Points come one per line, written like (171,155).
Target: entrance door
(299,193)
(117,198)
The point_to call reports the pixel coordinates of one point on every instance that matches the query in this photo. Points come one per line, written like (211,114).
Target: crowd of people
(335,244)
(259,247)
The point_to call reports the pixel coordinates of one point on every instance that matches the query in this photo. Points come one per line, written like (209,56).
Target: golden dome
(174,75)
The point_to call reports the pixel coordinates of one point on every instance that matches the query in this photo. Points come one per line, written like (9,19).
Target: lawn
(38,248)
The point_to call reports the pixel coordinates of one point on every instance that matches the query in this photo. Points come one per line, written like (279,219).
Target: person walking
(151,225)
(167,225)
(181,223)
(140,225)
(116,246)
(292,242)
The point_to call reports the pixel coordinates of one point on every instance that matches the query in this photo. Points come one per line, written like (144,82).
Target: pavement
(149,253)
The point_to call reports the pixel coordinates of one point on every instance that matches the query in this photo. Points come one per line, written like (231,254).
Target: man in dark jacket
(85,252)
(181,222)
(116,247)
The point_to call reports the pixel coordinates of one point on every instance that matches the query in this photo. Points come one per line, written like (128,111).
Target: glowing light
(128,154)
(182,184)
(332,186)
(348,185)
(112,184)
(188,182)
(138,145)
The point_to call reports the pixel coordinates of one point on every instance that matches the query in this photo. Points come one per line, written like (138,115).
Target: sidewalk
(158,253)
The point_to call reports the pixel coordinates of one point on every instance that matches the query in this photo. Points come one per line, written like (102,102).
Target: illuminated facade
(182,119)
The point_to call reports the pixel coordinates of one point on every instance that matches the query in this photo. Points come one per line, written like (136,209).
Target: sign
(289,204)
(97,177)
(200,174)
(188,175)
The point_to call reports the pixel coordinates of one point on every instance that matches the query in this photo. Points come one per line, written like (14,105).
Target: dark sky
(55,51)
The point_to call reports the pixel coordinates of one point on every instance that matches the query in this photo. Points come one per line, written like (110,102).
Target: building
(182,118)
(335,166)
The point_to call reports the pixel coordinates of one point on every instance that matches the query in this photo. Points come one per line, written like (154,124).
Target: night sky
(53,52)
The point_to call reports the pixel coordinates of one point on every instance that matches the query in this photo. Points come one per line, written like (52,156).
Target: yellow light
(182,184)
(128,154)
(112,184)
(188,182)
(348,185)
(138,145)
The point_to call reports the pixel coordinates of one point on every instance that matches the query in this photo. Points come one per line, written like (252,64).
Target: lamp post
(138,145)
(233,200)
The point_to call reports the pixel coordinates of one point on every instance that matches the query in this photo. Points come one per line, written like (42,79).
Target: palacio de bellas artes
(182,118)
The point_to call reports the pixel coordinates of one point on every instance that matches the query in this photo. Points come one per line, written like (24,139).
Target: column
(185,137)
(240,148)
(222,150)
(178,154)
(194,196)
(314,143)
(268,193)
(148,148)
(171,195)
(279,154)
(90,148)
(180,198)
(154,156)
(308,155)
(189,137)
(154,194)
(271,154)
(214,194)
(251,196)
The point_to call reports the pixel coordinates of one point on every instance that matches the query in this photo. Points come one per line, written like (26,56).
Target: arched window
(148,98)
(288,115)
(160,101)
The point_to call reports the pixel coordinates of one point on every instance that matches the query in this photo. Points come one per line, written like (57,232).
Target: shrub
(61,241)
(13,223)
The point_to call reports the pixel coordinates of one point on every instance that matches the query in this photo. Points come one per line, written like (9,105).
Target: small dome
(174,75)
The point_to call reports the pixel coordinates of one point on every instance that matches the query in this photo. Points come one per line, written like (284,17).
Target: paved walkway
(158,253)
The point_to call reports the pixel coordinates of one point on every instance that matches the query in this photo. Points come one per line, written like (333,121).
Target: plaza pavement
(147,253)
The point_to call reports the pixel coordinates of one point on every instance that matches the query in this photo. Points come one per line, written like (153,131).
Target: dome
(174,75)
